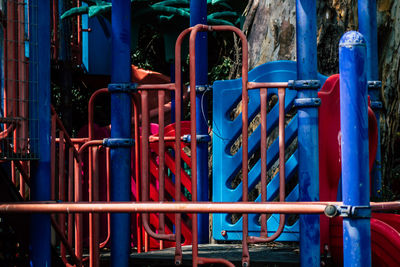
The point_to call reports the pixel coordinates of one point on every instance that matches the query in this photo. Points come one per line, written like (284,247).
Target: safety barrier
(19,131)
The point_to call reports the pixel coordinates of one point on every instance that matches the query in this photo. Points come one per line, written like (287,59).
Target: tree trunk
(270,27)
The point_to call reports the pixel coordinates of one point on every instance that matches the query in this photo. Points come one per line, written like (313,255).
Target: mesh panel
(19,77)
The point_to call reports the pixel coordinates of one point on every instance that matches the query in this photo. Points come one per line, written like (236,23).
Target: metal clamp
(304,84)
(374,84)
(118,142)
(376,105)
(307,102)
(348,211)
(122,87)
(201,138)
(202,88)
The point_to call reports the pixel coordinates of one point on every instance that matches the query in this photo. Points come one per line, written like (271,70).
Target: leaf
(172,3)
(99,10)
(76,11)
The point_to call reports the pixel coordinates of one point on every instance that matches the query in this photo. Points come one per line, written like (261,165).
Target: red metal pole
(78,198)
(79,31)
(64,241)
(61,187)
(257,85)
(91,110)
(70,192)
(90,137)
(21,180)
(178,104)
(263,101)
(94,241)
(195,29)
(193,140)
(55,30)
(94,218)
(22,170)
(53,156)
(161,86)
(104,243)
(22,130)
(281,127)
(11,66)
(161,159)
(145,167)
(139,226)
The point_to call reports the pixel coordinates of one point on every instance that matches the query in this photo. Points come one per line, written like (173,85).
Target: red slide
(385,228)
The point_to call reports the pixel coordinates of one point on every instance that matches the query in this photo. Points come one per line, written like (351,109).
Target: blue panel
(96,45)
(226,95)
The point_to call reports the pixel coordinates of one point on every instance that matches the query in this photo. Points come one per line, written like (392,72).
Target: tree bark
(270,27)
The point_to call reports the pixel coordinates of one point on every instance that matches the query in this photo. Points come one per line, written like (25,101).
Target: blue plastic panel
(96,45)
(226,96)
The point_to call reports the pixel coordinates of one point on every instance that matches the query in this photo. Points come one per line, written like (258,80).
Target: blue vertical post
(121,128)
(306,34)
(198,15)
(368,28)
(354,145)
(39,61)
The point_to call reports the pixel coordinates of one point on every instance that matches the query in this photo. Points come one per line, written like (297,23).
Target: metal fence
(19,123)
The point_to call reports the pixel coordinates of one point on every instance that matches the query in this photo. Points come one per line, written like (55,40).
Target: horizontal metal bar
(176,207)
(385,206)
(163,86)
(182,207)
(257,85)
(153,139)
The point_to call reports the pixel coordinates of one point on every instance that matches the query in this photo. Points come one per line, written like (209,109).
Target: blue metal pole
(120,128)
(39,59)
(368,28)
(306,34)
(354,145)
(198,15)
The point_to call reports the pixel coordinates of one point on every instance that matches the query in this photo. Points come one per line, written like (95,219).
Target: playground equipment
(155,152)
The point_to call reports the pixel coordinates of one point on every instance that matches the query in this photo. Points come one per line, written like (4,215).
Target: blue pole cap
(352,38)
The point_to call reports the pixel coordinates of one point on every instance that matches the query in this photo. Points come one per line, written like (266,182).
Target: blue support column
(306,34)
(120,128)
(198,15)
(354,146)
(39,76)
(368,28)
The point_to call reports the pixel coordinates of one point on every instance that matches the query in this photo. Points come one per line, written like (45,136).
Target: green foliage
(221,71)
(171,11)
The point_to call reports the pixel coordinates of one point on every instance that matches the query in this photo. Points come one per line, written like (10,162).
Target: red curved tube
(195,29)
(145,168)
(281,96)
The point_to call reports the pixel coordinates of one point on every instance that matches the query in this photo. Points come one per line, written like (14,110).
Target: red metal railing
(66,187)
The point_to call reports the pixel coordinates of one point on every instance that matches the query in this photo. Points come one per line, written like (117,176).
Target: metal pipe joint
(118,142)
(122,87)
(347,211)
(304,84)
